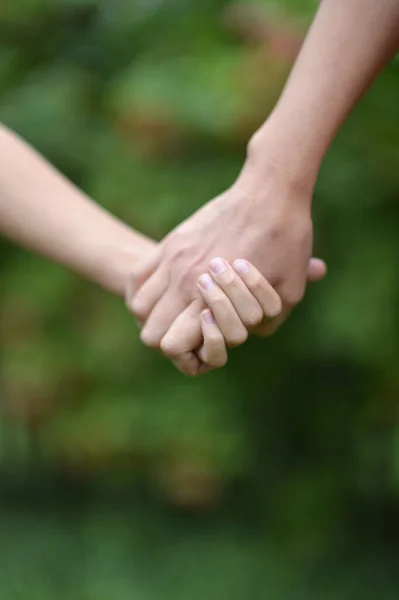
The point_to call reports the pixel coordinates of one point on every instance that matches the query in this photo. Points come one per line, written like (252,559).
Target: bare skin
(265,216)
(43,211)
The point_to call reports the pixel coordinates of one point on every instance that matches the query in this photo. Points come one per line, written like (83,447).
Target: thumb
(317,270)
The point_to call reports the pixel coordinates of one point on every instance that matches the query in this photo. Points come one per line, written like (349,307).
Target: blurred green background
(277,477)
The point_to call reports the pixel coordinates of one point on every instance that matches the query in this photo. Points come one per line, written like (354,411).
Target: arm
(265,216)
(348,44)
(43,211)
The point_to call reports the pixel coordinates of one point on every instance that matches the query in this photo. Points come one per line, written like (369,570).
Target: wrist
(114,263)
(270,172)
(280,148)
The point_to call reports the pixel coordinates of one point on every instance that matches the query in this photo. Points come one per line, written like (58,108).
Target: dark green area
(277,477)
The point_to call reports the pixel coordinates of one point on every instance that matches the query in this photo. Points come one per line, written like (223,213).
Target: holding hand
(266,217)
(239,300)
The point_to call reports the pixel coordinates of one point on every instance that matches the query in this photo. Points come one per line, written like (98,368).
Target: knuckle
(137,305)
(150,339)
(170,347)
(238,337)
(254,318)
(257,282)
(217,301)
(229,280)
(138,309)
(216,362)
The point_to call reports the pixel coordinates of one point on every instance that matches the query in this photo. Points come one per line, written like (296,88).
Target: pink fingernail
(206,282)
(241,266)
(217,265)
(208,317)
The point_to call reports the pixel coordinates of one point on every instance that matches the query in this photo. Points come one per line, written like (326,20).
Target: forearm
(44,212)
(348,44)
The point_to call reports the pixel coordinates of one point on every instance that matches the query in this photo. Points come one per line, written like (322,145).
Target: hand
(239,299)
(235,303)
(265,216)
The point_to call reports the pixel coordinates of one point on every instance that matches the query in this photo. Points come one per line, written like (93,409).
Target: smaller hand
(239,298)
(240,301)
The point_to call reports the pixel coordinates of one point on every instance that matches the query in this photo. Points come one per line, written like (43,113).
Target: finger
(259,287)
(269,326)
(161,318)
(189,364)
(246,305)
(213,352)
(317,270)
(230,324)
(182,338)
(184,335)
(143,302)
(140,274)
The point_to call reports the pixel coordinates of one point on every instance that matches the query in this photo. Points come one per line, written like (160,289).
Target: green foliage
(147,106)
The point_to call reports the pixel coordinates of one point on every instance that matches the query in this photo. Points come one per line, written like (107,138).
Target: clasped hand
(192,306)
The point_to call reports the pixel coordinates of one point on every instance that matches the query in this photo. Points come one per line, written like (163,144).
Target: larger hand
(264,217)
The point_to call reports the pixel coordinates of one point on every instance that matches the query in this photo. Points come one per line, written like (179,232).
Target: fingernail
(217,265)
(206,282)
(208,317)
(241,266)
